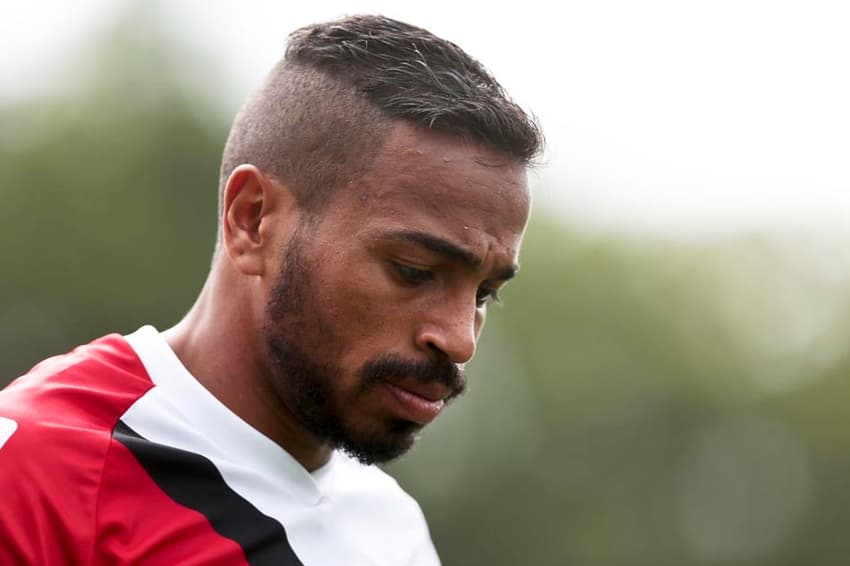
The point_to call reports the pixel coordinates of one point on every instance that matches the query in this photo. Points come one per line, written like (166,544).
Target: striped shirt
(115,454)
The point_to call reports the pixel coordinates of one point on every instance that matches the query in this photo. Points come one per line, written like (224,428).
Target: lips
(415,401)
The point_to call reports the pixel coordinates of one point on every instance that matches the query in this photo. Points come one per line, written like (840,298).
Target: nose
(451,330)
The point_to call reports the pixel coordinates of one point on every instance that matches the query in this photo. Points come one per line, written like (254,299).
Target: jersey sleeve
(55,432)
(47,507)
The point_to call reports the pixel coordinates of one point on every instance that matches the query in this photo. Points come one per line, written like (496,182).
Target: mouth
(416,402)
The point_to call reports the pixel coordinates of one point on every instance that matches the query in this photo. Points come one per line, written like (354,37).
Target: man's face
(382,295)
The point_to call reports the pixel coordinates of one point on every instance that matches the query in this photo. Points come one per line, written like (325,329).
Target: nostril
(438,353)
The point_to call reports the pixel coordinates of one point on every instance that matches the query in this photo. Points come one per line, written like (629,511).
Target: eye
(485,296)
(412,275)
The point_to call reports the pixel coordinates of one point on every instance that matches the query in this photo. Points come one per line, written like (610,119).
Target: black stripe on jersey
(193,481)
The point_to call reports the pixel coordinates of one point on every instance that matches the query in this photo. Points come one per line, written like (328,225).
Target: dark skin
(402,261)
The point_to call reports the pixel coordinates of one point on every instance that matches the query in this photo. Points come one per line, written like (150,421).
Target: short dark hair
(326,107)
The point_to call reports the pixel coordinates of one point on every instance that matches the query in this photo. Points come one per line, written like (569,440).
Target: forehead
(441,184)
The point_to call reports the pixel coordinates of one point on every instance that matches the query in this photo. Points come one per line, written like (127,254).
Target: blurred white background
(676,118)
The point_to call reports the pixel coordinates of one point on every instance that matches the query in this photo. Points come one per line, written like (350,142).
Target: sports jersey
(115,454)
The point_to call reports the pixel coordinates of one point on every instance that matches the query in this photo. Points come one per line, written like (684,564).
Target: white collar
(210,417)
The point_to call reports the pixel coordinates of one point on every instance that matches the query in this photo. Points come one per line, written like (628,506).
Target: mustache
(391,366)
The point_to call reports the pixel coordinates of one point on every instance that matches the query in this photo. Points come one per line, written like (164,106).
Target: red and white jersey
(115,454)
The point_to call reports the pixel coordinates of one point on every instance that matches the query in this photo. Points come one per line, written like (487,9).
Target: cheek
(368,317)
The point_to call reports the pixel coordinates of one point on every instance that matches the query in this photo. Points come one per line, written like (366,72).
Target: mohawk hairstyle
(325,108)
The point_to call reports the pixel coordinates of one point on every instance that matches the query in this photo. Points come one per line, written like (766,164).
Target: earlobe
(247,201)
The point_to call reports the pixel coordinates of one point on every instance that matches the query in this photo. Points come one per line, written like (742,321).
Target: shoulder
(58,417)
(55,431)
(87,388)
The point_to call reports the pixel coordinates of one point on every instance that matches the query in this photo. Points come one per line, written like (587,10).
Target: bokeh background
(666,383)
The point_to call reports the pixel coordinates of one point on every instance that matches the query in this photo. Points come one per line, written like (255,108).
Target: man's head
(373,200)
(326,107)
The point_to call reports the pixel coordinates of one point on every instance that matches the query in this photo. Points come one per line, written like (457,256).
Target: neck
(220,344)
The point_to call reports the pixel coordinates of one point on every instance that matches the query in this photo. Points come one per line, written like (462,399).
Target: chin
(380,448)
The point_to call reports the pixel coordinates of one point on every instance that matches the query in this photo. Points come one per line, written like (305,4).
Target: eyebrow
(446,249)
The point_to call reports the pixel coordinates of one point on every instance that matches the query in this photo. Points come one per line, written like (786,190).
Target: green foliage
(108,215)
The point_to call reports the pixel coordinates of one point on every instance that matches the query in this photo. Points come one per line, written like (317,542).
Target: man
(372,202)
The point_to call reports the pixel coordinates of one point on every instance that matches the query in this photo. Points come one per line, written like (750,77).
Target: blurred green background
(638,400)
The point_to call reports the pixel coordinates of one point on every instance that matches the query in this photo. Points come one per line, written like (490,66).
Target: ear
(251,201)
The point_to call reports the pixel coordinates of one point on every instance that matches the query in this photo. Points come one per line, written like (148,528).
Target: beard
(307,381)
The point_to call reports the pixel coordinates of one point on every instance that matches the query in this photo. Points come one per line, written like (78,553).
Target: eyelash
(485,296)
(412,275)
(415,276)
